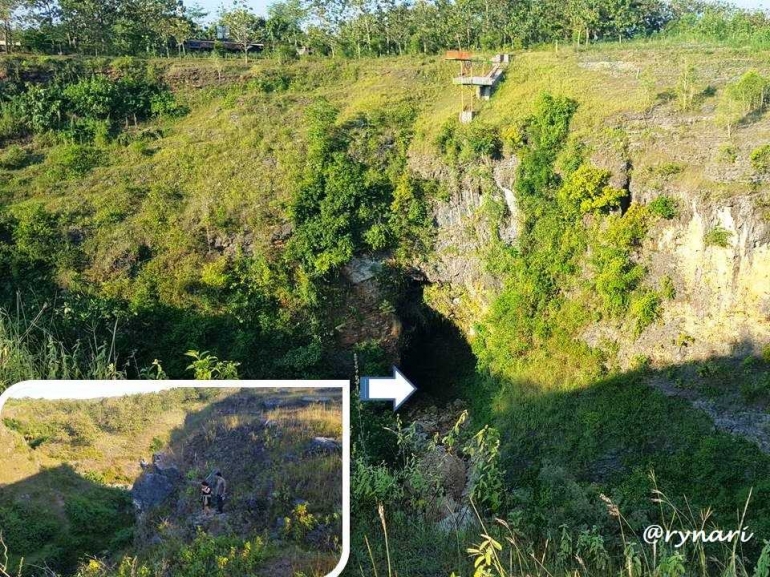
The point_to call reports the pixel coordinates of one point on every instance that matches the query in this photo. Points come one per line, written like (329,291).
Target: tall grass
(502,550)
(31,350)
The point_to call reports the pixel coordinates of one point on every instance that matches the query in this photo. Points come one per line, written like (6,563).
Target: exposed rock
(213,523)
(157,483)
(270,404)
(155,541)
(153,489)
(449,470)
(457,518)
(323,538)
(282,232)
(722,301)
(311,400)
(360,270)
(324,445)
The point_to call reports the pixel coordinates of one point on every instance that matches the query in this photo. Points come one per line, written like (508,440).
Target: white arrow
(396,388)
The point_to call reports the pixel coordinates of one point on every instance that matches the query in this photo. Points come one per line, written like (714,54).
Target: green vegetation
(335,28)
(102,206)
(760,159)
(664,207)
(212,206)
(85,108)
(717,236)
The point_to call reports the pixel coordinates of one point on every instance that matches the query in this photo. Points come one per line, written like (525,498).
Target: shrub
(299,523)
(667,288)
(26,527)
(760,159)
(14,157)
(486,474)
(669,168)
(468,143)
(374,484)
(617,274)
(756,389)
(727,153)
(340,202)
(36,234)
(272,80)
(209,556)
(664,207)
(207,367)
(750,91)
(481,141)
(588,189)
(71,160)
(82,430)
(94,97)
(95,517)
(717,236)
(645,310)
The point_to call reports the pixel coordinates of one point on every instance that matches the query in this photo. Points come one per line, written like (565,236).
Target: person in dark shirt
(206,493)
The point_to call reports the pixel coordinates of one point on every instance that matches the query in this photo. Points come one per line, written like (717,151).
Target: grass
(178,216)
(717,236)
(28,350)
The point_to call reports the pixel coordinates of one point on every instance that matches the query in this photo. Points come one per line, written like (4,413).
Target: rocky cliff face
(722,292)
(722,303)
(464,230)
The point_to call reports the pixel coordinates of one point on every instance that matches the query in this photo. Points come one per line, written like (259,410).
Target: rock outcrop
(722,293)
(157,484)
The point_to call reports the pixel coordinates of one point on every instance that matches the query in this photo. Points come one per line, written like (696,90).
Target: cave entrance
(435,355)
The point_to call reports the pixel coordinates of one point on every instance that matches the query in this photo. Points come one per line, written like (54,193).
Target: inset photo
(181,481)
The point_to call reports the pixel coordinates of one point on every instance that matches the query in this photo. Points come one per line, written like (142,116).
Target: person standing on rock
(206,494)
(220,491)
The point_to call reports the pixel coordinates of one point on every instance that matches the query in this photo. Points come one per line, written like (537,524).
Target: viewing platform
(485,84)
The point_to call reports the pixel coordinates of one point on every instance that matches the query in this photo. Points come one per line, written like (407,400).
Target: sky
(212,6)
(764,4)
(260,6)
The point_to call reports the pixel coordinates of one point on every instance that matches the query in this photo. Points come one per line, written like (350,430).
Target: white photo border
(65,389)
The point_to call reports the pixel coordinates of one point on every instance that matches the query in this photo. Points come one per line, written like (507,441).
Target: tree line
(360,27)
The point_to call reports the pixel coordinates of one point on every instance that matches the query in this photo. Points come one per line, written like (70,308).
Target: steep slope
(629,121)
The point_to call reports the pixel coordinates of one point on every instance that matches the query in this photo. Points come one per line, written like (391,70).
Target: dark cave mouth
(435,354)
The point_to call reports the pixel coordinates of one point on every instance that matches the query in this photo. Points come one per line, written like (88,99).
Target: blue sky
(260,6)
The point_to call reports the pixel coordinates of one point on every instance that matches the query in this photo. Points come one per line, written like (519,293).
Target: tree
(328,17)
(43,30)
(89,22)
(284,23)
(244,27)
(7,11)
(186,23)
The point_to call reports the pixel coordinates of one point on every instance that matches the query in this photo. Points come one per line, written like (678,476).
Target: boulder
(153,489)
(324,445)
(459,519)
(360,270)
(157,482)
(311,400)
(270,404)
(449,469)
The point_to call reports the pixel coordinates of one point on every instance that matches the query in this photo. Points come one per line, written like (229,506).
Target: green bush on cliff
(587,189)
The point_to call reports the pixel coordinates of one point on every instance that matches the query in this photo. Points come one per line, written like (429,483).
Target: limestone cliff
(721,302)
